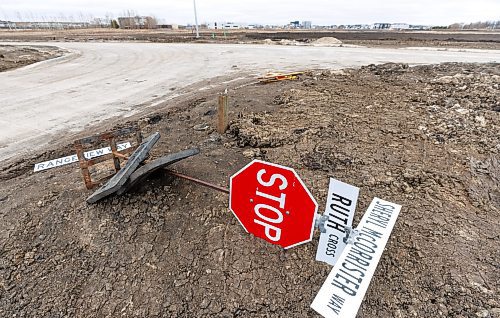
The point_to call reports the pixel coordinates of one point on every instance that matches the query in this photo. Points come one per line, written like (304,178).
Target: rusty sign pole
(222,113)
(201,182)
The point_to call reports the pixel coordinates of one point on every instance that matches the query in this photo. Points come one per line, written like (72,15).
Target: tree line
(488,25)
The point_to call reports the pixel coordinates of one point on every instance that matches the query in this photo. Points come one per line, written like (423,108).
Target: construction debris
(327,41)
(119,179)
(278,76)
(109,138)
(144,171)
(131,173)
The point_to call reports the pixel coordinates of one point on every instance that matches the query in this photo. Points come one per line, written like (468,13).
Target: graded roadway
(42,102)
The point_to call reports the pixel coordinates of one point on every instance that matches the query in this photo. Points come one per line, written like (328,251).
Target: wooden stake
(222,113)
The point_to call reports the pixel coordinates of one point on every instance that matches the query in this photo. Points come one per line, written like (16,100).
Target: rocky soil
(425,137)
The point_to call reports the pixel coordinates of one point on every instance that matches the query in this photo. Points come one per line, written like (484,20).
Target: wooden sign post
(222,123)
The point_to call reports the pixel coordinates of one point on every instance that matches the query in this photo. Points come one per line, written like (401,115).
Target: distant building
(232,25)
(137,22)
(306,25)
(295,24)
(168,26)
(228,26)
(400,26)
(381,26)
(5,24)
(358,26)
(420,27)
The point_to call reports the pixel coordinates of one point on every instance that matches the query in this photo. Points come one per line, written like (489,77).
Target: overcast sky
(320,12)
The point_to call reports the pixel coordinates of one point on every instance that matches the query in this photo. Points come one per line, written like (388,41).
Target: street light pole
(196,20)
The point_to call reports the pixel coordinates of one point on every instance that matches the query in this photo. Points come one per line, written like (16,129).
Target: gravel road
(98,81)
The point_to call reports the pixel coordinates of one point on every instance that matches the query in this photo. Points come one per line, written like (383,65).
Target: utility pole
(196,20)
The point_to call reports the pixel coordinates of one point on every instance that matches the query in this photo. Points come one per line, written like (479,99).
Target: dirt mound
(268,42)
(17,56)
(327,41)
(172,249)
(289,42)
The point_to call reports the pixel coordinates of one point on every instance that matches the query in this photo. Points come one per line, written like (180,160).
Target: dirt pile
(268,42)
(327,41)
(171,248)
(290,42)
(16,56)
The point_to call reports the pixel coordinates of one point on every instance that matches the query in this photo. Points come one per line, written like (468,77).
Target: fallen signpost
(131,173)
(119,179)
(339,210)
(346,285)
(198,181)
(143,172)
(271,202)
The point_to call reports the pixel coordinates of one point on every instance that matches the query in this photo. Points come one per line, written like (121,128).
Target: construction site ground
(425,137)
(479,39)
(94,82)
(12,57)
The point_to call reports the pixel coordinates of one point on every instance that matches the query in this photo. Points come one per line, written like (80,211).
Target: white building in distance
(399,26)
(228,26)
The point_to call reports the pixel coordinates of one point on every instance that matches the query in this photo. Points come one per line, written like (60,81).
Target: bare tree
(97,22)
(456,26)
(480,25)
(108,18)
(151,22)
(19,16)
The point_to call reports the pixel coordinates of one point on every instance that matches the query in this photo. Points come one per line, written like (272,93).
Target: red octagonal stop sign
(272,203)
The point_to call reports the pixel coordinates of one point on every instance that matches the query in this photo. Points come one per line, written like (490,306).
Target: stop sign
(272,203)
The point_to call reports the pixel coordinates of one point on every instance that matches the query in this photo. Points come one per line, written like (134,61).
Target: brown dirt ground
(17,56)
(445,38)
(425,137)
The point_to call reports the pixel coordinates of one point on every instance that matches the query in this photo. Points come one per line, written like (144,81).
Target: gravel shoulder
(425,137)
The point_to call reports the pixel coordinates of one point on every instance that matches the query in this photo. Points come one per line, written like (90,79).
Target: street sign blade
(340,208)
(71,159)
(346,285)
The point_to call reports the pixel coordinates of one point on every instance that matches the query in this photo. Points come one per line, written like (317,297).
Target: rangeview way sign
(271,202)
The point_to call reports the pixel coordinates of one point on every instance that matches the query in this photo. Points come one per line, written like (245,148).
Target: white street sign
(340,208)
(70,159)
(346,285)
